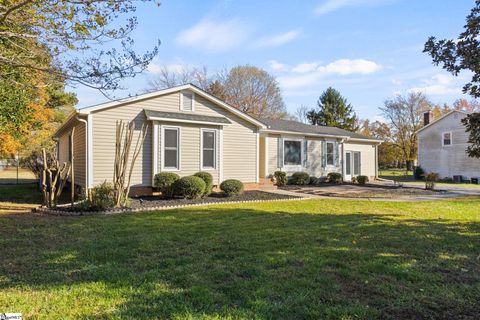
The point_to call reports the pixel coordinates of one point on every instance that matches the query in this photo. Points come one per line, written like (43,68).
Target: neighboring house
(442,146)
(190,130)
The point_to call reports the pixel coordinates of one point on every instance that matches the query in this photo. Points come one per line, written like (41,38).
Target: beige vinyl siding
(314,156)
(446,160)
(79,152)
(190,135)
(262,157)
(239,140)
(367,156)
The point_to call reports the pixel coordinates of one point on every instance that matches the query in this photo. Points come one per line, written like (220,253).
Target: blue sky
(369,50)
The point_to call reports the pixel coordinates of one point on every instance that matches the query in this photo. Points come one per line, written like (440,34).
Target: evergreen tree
(334,111)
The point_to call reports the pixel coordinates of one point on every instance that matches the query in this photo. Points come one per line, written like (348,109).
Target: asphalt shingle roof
(185,116)
(295,126)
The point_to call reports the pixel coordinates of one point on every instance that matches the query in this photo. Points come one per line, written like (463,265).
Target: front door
(352,164)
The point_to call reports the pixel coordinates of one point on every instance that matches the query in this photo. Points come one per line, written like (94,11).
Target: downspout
(86,155)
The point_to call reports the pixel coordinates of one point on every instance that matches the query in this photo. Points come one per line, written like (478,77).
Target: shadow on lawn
(250,263)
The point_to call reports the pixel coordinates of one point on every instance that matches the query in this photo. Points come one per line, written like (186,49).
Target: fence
(13,172)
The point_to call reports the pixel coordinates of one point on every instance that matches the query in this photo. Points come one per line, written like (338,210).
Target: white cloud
(328,6)
(277,66)
(347,66)
(305,67)
(215,36)
(277,40)
(438,85)
(311,73)
(156,68)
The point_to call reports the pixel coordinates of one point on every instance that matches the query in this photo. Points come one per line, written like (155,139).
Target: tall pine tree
(333,111)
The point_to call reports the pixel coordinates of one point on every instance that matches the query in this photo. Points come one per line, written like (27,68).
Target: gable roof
(299,127)
(442,117)
(150,95)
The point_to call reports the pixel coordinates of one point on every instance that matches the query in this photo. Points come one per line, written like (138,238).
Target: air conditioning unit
(475,180)
(458,178)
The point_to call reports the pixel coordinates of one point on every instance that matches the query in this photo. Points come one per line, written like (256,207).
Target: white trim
(257,176)
(179,152)
(437,120)
(155,151)
(220,174)
(215,150)
(188,121)
(443,139)
(90,150)
(291,167)
(265,146)
(196,90)
(377,141)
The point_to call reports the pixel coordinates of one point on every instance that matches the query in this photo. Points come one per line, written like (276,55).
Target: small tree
(472,126)
(334,111)
(122,173)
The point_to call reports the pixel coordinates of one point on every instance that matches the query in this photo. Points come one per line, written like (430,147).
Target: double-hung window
(171,148)
(330,154)
(292,152)
(209,148)
(447,139)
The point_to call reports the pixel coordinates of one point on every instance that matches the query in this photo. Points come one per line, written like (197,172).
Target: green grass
(313,259)
(20,193)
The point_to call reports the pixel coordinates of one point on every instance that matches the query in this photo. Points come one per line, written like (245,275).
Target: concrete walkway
(341,192)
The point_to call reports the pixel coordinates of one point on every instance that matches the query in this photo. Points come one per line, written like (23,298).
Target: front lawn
(315,259)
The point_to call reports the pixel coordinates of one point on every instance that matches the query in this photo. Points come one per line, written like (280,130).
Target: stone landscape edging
(146,209)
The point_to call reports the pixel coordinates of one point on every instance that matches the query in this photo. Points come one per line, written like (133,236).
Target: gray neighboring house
(190,130)
(442,146)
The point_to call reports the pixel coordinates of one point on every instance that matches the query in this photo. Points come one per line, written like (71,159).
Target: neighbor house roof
(185,117)
(302,128)
(437,120)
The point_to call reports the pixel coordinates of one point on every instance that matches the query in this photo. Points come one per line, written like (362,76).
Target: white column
(154,150)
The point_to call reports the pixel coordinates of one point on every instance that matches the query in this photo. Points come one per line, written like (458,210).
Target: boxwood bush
(334,177)
(314,181)
(362,179)
(418,173)
(102,197)
(300,178)
(164,182)
(280,178)
(231,187)
(208,179)
(190,187)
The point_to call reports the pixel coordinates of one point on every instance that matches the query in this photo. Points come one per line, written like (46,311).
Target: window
(171,148)
(208,149)
(447,138)
(292,152)
(187,101)
(356,163)
(348,163)
(330,154)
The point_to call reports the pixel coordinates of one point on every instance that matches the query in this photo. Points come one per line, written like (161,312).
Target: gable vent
(187,101)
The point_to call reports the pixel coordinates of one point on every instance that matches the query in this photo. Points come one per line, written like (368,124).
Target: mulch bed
(151,203)
(252,195)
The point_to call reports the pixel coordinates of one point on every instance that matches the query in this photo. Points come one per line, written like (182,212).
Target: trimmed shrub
(418,173)
(231,187)
(190,187)
(430,179)
(208,179)
(314,181)
(102,197)
(362,179)
(280,178)
(164,182)
(334,177)
(448,180)
(300,178)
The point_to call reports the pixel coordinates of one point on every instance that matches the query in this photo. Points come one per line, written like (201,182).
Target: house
(190,130)
(442,146)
